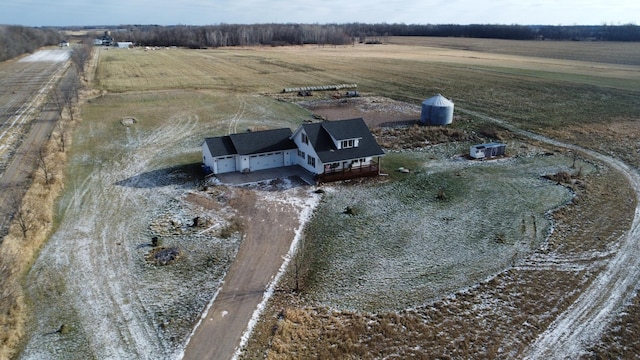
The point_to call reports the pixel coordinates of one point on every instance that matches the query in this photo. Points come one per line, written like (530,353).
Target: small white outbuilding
(483,151)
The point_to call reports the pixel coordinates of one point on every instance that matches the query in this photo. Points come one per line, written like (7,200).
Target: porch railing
(350,173)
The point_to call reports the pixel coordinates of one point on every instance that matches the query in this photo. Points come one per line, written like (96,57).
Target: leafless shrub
(234,226)
(561,177)
(163,255)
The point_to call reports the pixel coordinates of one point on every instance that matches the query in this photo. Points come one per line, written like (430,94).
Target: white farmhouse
(331,150)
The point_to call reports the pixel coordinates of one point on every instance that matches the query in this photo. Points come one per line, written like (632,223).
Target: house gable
(325,140)
(353,129)
(345,133)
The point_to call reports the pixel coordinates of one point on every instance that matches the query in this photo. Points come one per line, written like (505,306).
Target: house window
(348,144)
(305,139)
(301,154)
(311,160)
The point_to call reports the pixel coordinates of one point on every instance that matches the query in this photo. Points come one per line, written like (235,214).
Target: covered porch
(371,170)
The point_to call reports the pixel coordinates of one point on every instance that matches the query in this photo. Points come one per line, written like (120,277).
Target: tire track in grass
(95,251)
(233,122)
(583,322)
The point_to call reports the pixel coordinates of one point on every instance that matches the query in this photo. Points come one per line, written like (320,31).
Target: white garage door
(266,161)
(225,165)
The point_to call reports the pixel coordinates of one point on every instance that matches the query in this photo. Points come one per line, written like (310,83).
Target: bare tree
(43,165)
(62,136)
(67,93)
(80,56)
(21,215)
(298,266)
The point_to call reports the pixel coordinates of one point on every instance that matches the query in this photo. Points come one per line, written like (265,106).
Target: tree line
(234,35)
(17,40)
(627,32)
(341,34)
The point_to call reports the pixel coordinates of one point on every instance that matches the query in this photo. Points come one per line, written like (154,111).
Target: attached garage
(250,151)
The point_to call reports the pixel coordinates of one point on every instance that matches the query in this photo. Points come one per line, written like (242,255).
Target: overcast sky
(211,12)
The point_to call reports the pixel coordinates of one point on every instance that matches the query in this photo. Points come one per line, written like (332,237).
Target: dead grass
(417,136)
(621,340)
(18,252)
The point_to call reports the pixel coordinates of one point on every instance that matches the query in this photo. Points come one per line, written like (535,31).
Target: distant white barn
(483,151)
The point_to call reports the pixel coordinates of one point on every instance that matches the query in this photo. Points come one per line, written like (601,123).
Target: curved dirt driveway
(583,323)
(271,221)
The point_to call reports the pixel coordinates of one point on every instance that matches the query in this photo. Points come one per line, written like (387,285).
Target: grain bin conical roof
(439,101)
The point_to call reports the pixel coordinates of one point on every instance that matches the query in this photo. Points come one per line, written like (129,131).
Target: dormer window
(345,144)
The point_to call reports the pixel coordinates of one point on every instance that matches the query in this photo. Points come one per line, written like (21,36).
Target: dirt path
(270,225)
(583,323)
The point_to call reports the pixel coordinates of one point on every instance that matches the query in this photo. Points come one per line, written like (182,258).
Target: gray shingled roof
(248,143)
(318,134)
(220,146)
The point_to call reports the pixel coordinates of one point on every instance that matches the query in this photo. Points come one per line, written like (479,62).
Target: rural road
(270,226)
(583,323)
(24,87)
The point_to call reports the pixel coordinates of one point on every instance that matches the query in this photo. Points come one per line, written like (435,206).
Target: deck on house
(352,173)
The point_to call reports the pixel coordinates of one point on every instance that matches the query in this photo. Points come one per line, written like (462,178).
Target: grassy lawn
(446,225)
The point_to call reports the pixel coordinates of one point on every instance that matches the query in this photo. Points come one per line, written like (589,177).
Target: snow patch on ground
(58,55)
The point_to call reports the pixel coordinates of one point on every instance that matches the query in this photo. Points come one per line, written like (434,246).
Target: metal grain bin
(437,110)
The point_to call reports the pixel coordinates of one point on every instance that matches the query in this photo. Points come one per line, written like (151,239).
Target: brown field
(590,51)
(563,90)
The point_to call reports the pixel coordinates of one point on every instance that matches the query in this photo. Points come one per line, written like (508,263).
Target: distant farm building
(64,43)
(124,44)
(437,110)
(105,40)
(490,150)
